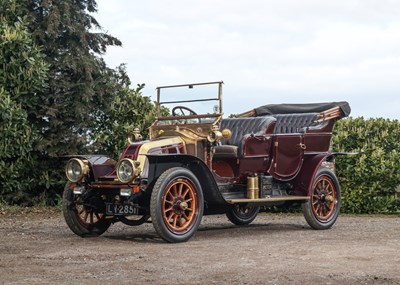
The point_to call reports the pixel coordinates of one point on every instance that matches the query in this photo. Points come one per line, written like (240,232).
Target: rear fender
(303,181)
(160,163)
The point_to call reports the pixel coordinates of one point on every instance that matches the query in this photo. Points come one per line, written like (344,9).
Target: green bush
(369,178)
(23,73)
(17,139)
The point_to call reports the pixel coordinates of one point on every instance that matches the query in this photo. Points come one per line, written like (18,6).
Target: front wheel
(176,205)
(322,210)
(241,214)
(83,219)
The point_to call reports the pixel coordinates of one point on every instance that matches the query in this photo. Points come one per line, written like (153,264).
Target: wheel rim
(324,198)
(179,205)
(86,215)
(244,211)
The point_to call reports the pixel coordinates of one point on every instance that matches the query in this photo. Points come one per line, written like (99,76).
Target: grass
(19,211)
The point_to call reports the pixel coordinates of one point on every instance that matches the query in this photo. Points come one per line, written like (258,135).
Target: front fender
(160,163)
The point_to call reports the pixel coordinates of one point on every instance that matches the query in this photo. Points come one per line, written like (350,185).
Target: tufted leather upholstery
(294,123)
(242,126)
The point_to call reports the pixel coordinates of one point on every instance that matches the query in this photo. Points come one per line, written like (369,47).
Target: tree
(64,92)
(78,76)
(129,109)
(22,74)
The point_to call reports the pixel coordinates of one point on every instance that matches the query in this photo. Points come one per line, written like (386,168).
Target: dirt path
(274,249)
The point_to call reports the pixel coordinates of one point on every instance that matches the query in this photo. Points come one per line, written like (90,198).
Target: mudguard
(303,181)
(160,163)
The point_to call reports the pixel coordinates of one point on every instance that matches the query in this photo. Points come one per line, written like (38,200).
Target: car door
(288,150)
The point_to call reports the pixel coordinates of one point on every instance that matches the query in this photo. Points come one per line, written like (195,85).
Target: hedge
(370,178)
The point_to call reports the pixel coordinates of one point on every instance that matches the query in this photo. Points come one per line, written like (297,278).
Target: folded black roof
(273,109)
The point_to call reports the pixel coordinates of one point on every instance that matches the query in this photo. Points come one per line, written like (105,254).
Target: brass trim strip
(144,149)
(272,199)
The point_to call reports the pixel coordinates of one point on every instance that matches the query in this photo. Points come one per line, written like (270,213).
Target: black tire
(134,220)
(176,205)
(242,214)
(323,208)
(82,220)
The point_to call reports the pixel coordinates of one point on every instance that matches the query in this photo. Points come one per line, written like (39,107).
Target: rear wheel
(322,210)
(176,205)
(82,219)
(242,214)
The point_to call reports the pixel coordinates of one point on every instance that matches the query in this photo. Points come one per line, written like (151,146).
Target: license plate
(121,209)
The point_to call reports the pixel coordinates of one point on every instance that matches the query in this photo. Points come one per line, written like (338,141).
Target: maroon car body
(197,164)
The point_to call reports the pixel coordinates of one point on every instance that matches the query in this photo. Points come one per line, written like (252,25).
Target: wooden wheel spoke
(85,216)
(185,193)
(81,211)
(169,202)
(170,216)
(321,211)
(181,221)
(175,221)
(169,194)
(323,184)
(180,190)
(186,217)
(169,209)
(174,191)
(189,200)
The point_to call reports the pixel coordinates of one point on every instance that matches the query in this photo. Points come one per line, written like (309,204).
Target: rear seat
(240,127)
(294,123)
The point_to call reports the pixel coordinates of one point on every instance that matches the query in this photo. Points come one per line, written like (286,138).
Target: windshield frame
(190,86)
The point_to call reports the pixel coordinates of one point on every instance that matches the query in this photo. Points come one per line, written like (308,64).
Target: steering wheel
(182,110)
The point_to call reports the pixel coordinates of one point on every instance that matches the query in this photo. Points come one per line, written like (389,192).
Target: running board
(266,200)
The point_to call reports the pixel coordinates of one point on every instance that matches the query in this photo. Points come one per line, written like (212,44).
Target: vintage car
(196,164)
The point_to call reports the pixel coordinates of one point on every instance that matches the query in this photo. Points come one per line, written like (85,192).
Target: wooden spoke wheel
(323,198)
(322,210)
(179,205)
(176,204)
(81,218)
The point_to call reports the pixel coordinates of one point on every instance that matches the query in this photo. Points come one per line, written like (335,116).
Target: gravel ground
(38,248)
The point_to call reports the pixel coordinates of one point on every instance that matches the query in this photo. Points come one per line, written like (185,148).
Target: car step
(271,199)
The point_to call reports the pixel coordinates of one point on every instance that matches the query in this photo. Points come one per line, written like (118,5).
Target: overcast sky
(283,51)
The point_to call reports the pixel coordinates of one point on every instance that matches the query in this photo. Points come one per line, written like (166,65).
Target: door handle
(302,146)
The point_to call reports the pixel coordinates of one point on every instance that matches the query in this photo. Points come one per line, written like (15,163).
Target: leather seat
(240,128)
(294,123)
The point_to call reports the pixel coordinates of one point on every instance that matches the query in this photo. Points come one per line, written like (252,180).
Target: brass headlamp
(127,170)
(76,169)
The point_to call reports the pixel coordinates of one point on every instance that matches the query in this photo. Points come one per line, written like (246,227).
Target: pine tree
(78,77)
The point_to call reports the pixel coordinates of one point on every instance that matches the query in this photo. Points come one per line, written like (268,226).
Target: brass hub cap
(183,206)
